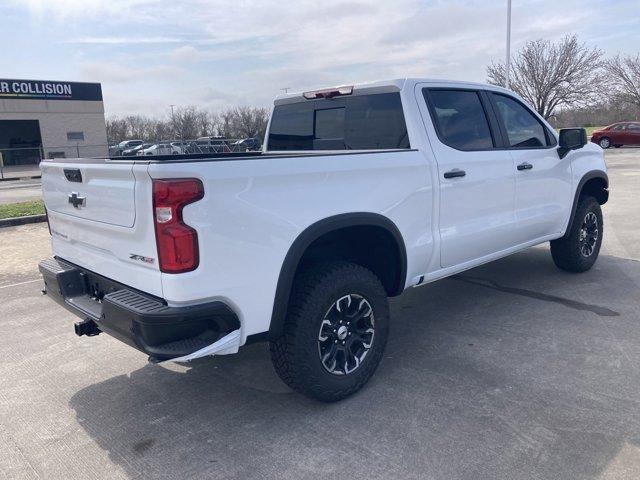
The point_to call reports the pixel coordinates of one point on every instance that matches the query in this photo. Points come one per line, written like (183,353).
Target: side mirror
(571,139)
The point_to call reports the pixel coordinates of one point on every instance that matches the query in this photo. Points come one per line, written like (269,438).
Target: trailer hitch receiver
(86,327)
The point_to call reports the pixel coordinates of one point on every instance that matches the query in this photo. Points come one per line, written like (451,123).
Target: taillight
(177,242)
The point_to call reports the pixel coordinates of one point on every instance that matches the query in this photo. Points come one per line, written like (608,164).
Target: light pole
(173,121)
(286,89)
(508,59)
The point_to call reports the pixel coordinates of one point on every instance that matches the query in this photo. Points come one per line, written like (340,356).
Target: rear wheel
(605,142)
(578,250)
(335,331)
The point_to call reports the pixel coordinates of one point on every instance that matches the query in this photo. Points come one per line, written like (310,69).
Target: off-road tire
(295,355)
(567,251)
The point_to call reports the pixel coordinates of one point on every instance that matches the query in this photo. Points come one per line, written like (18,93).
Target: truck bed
(217,157)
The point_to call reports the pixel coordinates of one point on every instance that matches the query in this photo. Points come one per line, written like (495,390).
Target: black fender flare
(590,175)
(307,237)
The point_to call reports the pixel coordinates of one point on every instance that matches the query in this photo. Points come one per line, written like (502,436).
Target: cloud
(122,40)
(185,53)
(215,99)
(62,10)
(228,51)
(125,74)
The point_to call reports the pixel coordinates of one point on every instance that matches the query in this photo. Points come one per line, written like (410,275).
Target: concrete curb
(12,222)
(13,179)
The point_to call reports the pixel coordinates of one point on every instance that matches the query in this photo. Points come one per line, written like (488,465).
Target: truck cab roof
(391,85)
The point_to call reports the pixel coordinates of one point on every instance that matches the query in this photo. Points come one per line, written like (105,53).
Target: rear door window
(360,122)
(460,119)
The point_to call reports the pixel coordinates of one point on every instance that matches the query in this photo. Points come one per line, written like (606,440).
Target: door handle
(454,173)
(525,166)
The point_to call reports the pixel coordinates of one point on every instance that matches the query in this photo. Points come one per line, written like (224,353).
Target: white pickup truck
(360,192)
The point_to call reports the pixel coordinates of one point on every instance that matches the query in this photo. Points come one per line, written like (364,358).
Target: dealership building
(50,119)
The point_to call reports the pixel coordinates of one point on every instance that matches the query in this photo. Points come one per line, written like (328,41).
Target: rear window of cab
(360,122)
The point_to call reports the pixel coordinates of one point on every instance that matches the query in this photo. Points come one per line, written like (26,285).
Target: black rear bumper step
(140,320)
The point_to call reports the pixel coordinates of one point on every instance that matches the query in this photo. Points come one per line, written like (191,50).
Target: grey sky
(152,53)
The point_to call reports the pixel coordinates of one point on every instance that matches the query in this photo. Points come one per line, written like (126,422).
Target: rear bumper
(137,319)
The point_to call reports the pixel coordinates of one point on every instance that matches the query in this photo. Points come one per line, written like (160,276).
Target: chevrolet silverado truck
(359,193)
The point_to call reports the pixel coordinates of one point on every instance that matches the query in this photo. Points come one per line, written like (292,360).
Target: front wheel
(604,142)
(578,250)
(335,331)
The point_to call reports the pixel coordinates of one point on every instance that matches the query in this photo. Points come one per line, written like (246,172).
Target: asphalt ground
(513,370)
(20,191)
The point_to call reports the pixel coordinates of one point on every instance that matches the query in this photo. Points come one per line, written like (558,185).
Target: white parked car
(165,148)
(359,193)
(118,150)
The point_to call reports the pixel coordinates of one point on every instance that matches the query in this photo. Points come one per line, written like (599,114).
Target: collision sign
(49,90)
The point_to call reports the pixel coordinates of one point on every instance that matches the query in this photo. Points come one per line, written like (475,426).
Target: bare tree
(190,122)
(139,127)
(117,130)
(186,122)
(160,130)
(553,75)
(206,123)
(610,110)
(249,122)
(624,74)
(226,123)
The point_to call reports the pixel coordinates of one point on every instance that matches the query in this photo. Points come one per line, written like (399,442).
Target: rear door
(477,180)
(633,132)
(543,179)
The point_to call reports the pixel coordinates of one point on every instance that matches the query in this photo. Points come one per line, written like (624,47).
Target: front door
(618,134)
(543,180)
(477,180)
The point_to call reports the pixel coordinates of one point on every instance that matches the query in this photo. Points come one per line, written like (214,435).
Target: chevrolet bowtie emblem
(76,200)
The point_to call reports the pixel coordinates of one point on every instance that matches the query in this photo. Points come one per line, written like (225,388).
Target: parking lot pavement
(511,370)
(20,191)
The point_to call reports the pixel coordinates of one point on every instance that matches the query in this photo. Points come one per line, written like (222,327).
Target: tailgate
(101,191)
(101,219)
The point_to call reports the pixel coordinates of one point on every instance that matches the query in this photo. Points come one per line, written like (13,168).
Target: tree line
(188,123)
(570,83)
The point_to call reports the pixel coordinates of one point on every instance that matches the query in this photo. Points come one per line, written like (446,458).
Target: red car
(617,135)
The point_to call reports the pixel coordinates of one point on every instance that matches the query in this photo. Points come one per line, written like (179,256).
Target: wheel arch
(594,183)
(322,229)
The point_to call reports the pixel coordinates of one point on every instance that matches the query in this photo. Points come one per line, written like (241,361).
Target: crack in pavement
(587,307)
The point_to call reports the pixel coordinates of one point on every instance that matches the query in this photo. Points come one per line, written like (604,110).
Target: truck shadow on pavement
(510,370)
